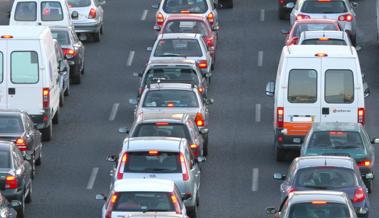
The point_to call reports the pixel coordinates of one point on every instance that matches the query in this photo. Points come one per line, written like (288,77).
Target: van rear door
(3,76)
(338,98)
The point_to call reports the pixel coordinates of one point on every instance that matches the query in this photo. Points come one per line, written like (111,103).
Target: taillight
(293,41)
(279,117)
(290,189)
(160,19)
(10,182)
(203,64)
(361,115)
(175,202)
(211,18)
(302,17)
(21,144)
(112,201)
(92,13)
(365,163)
(281,2)
(121,168)
(346,18)
(140,90)
(199,119)
(184,167)
(210,42)
(195,149)
(69,53)
(359,195)
(201,90)
(46,98)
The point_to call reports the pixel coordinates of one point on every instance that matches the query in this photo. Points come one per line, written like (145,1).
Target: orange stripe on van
(297,128)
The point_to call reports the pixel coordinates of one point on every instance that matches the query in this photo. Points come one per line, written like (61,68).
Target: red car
(309,25)
(192,24)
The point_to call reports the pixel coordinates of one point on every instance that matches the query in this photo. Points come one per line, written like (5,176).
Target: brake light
(361,115)
(211,18)
(160,19)
(290,189)
(359,195)
(184,167)
(203,64)
(121,168)
(184,11)
(319,202)
(21,144)
(10,182)
(92,13)
(302,17)
(174,201)
(279,117)
(324,0)
(161,124)
(195,149)
(153,152)
(46,98)
(69,53)
(170,104)
(201,90)
(199,119)
(210,42)
(281,2)
(365,163)
(6,36)
(114,197)
(321,55)
(346,17)
(323,39)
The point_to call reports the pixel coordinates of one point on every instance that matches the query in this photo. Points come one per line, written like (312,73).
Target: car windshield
(323,42)
(153,162)
(178,48)
(11,124)
(172,74)
(185,6)
(78,3)
(319,209)
(61,36)
(325,178)
(143,201)
(335,140)
(185,26)
(5,161)
(324,7)
(161,129)
(170,98)
(301,27)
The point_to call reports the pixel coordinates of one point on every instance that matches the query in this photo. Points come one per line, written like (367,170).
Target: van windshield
(26,11)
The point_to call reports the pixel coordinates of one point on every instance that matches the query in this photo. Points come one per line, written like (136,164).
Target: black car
(15,176)
(284,10)
(7,208)
(73,49)
(17,127)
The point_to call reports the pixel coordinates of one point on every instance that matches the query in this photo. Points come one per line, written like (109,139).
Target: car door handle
(11,91)
(325,110)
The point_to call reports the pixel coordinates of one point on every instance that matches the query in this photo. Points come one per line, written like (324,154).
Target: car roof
(179,36)
(172,62)
(324,34)
(143,185)
(170,144)
(332,51)
(162,117)
(337,126)
(24,32)
(320,161)
(178,86)
(309,196)
(316,21)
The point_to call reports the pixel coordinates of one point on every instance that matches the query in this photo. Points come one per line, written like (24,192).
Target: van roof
(23,32)
(333,51)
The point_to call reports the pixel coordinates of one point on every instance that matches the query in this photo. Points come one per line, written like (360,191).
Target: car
(183,71)
(162,158)
(192,24)
(17,127)
(225,3)
(135,197)
(15,176)
(73,50)
(324,38)
(307,204)
(87,18)
(170,125)
(7,208)
(349,139)
(335,173)
(171,46)
(64,73)
(204,8)
(292,36)
(283,10)
(339,10)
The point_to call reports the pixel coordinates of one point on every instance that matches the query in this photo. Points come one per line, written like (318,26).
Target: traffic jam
(317,95)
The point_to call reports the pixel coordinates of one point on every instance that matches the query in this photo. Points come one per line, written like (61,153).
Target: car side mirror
(149,48)
(200,159)
(290,5)
(101,197)
(270,88)
(112,158)
(123,130)
(155,5)
(137,74)
(366,89)
(133,101)
(369,176)
(157,28)
(216,28)
(186,196)
(209,101)
(354,4)
(74,15)
(284,32)
(279,176)
(271,210)
(204,131)
(102,2)
(375,140)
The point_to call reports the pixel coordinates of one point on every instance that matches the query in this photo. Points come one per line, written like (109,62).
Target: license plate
(296,140)
(302,119)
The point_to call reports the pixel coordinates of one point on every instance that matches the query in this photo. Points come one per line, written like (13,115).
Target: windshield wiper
(345,146)
(316,186)
(144,210)
(155,169)
(169,55)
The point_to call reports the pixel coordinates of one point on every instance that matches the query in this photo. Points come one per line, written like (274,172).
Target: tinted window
(178,48)
(324,7)
(172,74)
(323,42)
(1,67)
(24,67)
(161,129)
(170,98)
(61,36)
(302,86)
(78,3)
(141,201)
(143,162)
(327,210)
(339,86)
(191,6)
(185,26)
(335,140)
(11,124)
(51,11)
(325,178)
(301,27)
(26,11)
(5,160)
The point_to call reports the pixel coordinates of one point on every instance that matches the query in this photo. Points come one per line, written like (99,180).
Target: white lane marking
(114,110)
(258,108)
(262,15)
(254,186)
(130,58)
(92,178)
(144,15)
(260,58)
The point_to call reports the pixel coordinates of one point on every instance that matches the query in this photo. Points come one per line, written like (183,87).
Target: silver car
(340,10)
(161,158)
(87,17)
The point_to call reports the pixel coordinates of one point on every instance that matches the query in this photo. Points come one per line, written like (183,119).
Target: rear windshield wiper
(316,187)
(155,169)
(169,55)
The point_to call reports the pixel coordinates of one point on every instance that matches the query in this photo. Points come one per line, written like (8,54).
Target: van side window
(51,11)
(24,67)
(26,11)
(339,86)
(302,86)
(1,67)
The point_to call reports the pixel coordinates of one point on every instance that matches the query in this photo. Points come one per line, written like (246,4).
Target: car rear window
(26,11)
(5,161)
(178,48)
(339,86)
(24,67)
(61,36)
(324,7)
(154,162)
(143,201)
(171,74)
(51,11)
(185,6)
(170,98)
(319,209)
(335,140)
(161,129)
(323,42)
(186,26)
(11,124)
(301,27)
(302,86)
(78,3)
(325,177)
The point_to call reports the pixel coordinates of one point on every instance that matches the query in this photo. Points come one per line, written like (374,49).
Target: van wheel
(56,117)
(280,153)
(39,160)
(47,132)
(68,91)
(76,78)
(61,100)
(28,198)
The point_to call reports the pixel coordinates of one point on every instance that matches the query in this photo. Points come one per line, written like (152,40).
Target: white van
(315,83)
(40,12)
(29,74)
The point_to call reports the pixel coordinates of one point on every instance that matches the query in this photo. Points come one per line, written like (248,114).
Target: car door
(194,170)
(35,135)
(24,166)
(3,76)
(79,47)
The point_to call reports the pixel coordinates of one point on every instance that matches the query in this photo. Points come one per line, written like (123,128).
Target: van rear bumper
(288,142)
(39,120)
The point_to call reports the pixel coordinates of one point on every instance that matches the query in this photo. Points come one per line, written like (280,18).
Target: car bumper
(13,194)
(288,142)
(87,27)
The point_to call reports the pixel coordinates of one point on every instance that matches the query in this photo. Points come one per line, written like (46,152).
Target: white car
(324,38)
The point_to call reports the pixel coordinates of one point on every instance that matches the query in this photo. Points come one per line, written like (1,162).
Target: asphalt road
(237,177)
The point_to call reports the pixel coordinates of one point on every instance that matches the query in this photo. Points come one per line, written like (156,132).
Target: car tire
(39,159)
(61,100)
(280,153)
(213,67)
(28,198)
(192,211)
(21,210)
(33,164)
(282,14)
(205,146)
(369,185)
(227,4)
(47,132)
(82,71)
(76,76)
(56,117)
(67,92)
(354,40)
(96,36)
